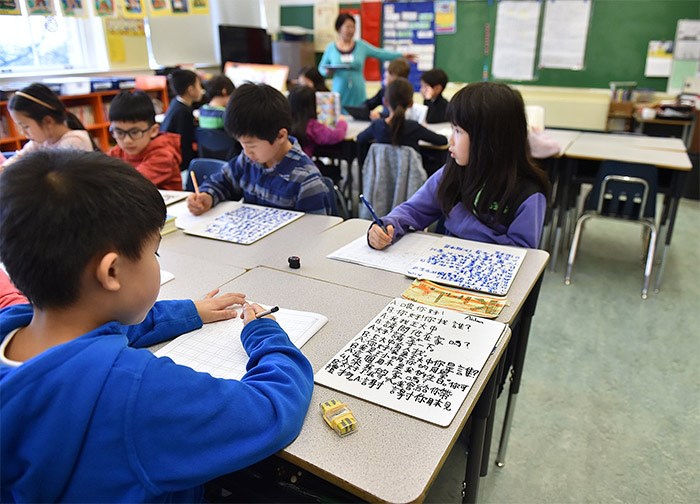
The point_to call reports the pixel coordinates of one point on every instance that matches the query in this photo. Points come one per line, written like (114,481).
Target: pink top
(319,134)
(9,295)
(73,139)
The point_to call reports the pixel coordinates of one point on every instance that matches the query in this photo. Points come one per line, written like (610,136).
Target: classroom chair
(202,168)
(216,144)
(339,206)
(390,175)
(624,191)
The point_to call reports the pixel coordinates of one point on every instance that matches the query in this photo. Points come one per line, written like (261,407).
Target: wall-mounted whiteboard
(183,39)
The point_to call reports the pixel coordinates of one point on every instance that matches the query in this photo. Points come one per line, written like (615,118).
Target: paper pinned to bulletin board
(180,6)
(516,40)
(325,13)
(10,7)
(133,9)
(199,6)
(40,8)
(104,8)
(74,8)
(159,8)
(126,42)
(445,17)
(659,58)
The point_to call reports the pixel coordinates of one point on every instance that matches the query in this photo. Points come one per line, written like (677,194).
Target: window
(42,44)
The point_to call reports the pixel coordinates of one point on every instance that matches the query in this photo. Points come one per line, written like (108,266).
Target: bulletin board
(622,28)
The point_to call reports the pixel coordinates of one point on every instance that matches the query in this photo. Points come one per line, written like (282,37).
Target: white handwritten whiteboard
(416,359)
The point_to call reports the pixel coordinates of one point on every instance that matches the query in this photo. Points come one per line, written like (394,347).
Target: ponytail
(396,125)
(399,96)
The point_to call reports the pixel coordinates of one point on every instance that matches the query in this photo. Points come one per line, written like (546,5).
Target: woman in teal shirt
(344,60)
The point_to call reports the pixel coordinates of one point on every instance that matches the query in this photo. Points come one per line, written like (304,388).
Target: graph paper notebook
(216,348)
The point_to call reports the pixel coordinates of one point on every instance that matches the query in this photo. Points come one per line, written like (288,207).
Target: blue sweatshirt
(423,208)
(293,184)
(101,419)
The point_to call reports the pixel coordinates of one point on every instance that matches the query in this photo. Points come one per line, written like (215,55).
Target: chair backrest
(624,190)
(390,175)
(216,144)
(202,168)
(338,206)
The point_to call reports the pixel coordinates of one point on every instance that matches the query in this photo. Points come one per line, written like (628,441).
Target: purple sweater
(319,134)
(423,208)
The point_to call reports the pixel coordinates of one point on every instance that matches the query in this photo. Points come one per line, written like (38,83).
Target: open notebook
(216,348)
(481,267)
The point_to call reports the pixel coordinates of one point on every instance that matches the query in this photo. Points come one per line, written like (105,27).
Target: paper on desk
(165,277)
(171,197)
(185,220)
(216,348)
(398,258)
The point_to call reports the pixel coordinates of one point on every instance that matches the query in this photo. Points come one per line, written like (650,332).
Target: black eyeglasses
(134,133)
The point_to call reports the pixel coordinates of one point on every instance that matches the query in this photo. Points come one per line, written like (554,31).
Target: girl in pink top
(46,122)
(305,126)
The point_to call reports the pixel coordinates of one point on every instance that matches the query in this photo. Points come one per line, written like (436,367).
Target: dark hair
(312,73)
(257,110)
(302,101)
(399,67)
(340,20)
(50,106)
(59,209)
(399,95)
(132,107)
(435,77)
(500,169)
(181,79)
(216,85)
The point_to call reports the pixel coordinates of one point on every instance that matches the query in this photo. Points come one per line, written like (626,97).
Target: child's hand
(213,309)
(199,203)
(374,115)
(378,238)
(249,311)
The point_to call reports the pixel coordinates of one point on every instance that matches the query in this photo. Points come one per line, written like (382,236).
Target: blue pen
(376,219)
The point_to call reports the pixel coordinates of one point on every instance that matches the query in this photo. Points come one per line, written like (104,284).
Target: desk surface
(392,457)
(629,149)
(280,243)
(315,264)
(563,137)
(640,141)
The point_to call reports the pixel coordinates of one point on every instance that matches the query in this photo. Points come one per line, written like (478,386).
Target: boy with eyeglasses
(156,155)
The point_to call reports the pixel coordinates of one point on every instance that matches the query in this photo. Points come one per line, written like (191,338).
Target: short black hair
(434,77)
(132,107)
(59,209)
(340,20)
(257,110)
(181,79)
(216,85)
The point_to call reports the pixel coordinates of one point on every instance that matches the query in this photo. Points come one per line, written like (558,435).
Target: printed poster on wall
(133,9)
(445,17)
(180,6)
(104,8)
(516,40)
(325,13)
(659,58)
(10,7)
(159,8)
(199,6)
(410,28)
(564,34)
(74,8)
(40,8)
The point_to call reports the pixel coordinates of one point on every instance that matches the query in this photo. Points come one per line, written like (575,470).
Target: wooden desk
(392,457)
(664,153)
(522,295)
(250,256)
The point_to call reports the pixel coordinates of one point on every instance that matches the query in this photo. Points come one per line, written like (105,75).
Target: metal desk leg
(677,188)
(563,203)
(517,373)
(488,435)
(476,440)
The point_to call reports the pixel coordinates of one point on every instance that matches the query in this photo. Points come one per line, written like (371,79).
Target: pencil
(194,183)
(267,312)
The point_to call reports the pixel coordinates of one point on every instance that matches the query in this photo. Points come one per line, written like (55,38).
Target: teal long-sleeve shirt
(350,82)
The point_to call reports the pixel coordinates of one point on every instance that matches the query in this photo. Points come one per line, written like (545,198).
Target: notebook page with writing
(244,225)
(170,197)
(481,267)
(216,348)
(416,359)
(397,258)
(185,220)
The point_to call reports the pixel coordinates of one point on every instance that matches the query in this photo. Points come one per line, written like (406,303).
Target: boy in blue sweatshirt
(87,413)
(272,170)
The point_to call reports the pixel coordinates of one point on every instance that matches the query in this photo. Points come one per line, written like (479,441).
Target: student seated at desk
(397,68)
(396,129)
(179,117)
(490,190)
(310,77)
(219,90)
(432,84)
(272,170)
(46,122)
(154,154)
(88,414)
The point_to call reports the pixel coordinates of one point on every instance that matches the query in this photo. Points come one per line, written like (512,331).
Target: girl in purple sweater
(490,190)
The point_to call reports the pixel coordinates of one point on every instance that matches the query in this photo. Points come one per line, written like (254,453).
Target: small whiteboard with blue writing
(484,268)
(245,225)
(416,359)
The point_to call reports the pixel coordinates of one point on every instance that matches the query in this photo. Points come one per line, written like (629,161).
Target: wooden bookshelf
(92,109)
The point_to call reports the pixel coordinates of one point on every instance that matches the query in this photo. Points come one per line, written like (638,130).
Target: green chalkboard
(619,33)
